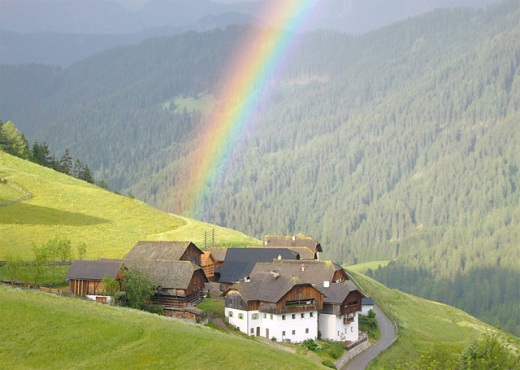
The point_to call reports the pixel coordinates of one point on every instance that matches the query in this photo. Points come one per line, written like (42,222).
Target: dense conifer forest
(400,144)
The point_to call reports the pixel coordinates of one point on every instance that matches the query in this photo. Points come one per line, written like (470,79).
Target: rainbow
(245,82)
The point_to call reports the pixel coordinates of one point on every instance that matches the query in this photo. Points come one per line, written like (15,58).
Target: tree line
(12,141)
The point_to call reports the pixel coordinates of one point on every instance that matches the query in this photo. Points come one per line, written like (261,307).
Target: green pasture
(365,266)
(43,331)
(427,329)
(109,224)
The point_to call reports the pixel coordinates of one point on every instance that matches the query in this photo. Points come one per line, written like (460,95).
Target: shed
(85,276)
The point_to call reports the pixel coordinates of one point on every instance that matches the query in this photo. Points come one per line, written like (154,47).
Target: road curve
(386,338)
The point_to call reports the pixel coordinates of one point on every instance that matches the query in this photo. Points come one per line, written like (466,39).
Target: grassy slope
(42,331)
(426,328)
(109,224)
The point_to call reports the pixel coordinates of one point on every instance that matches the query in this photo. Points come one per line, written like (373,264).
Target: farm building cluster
(280,290)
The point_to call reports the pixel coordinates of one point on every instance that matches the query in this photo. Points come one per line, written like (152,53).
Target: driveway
(386,338)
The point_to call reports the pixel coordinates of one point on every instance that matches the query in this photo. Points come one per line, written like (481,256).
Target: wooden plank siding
(352,303)
(192,253)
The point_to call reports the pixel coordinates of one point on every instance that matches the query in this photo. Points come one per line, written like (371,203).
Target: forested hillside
(401,144)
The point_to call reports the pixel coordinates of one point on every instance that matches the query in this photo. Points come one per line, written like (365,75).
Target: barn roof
(314,272)
(167,274)
(299,240)
(159,250)
(240,261)
(93,270)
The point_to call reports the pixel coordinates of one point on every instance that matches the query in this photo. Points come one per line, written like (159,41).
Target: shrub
(310,344)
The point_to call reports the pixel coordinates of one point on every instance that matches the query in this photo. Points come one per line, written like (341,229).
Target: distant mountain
(58,32)
(401,143)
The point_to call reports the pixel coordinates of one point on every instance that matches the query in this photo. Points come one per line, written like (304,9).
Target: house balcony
(288,308)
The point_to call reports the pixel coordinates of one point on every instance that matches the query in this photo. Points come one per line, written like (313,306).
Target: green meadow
(39,330)
(109,224)
(429,332)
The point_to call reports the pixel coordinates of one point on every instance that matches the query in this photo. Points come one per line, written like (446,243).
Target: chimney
(303,267)
(275,274)
(265,242)
(279,256)
(294,238)
(326,284)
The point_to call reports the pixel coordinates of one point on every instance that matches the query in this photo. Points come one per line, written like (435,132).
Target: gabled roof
(158,250)
(93,270)
(367,301)
(240,261)
(270,289)
(207,259)
(167,274)
(218,253)
(299,240)
(314,272)
(336,293)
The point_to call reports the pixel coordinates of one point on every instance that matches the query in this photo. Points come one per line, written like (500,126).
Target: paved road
(386,339)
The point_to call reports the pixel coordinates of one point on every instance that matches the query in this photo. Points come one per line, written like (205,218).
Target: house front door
(257,331)
(267,333)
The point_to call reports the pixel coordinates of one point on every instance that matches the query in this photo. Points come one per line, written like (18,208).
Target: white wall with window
(339,328)
(237,318)
(293,327)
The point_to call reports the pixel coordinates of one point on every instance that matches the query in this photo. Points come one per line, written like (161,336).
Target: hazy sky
(137,4)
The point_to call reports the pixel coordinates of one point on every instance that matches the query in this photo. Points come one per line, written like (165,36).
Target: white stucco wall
(332,327)
(272,325)
(295,329)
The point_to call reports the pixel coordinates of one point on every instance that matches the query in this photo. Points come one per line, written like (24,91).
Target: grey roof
(305,253)
(367,301)
(314,272)
(93,270)
(240,261)
(269,289)
(158,250)
(299,240)
(218,253)
(167,274)
(336,292)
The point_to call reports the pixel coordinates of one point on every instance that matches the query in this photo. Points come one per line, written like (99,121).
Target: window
(271,317)
(254,316)
(293,316)
(294,332)
(306,330)
(252,330)
(283,317)
(264,315)
(303,316)
(240,316)
(283,333)
(312,314)
(230,314)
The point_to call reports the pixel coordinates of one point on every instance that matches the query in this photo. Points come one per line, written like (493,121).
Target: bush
(328,363)
(310,344)
(273,339)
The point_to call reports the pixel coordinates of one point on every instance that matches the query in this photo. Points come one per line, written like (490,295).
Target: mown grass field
(39,330)
(428,331)
(108,223)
